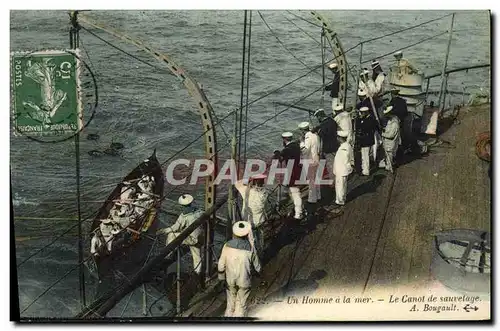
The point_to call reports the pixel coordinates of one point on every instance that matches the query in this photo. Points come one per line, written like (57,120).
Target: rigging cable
(248,85)
(411,45)
(281,43)
(239,125)
(123,51)
(305,32)
(303,19)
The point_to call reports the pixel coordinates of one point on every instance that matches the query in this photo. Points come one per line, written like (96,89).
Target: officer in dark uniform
(327,132)
(333,87)
(366,125)
(291,151)
(400,109)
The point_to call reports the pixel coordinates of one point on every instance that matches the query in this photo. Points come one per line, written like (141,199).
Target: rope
(303,19)
(240,129)
(323,67)
(406,29)
(483,146)
(280,42)
(411,45)
(248,84)
(305,32)
(123,51)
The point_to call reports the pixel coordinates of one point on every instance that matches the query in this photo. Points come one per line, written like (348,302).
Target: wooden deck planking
(419,205)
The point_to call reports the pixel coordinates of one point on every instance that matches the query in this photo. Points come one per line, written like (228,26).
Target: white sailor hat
(361,93)
(375,64)
(364,109)
(241,229)
(319,111)
(388,110)
(258,177)
(304,126)
(185,199)
(364,72)
(338,108)
(287,135)
(398,53)
(333,65)
(142,196)
(342,134)
(107,220)
(126,182)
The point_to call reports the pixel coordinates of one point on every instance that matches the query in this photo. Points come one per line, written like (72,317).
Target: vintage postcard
(250,165)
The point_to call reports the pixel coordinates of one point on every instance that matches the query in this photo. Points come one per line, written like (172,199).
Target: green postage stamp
(45,93)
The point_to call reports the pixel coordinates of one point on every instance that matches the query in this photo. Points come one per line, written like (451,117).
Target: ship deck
(382,243)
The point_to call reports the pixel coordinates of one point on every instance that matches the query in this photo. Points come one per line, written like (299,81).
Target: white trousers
(195,250)
(330,158)
(378,141)
(95,243)
(314,188)
(335,102)
(340,189)
(389,158)
(236,301)
(365,160)
(294,192)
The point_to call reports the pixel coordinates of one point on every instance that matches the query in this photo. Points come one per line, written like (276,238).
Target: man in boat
(344,122)
(343,165)
(391,139)
(327,131)
(255,197)
(108,229)
(291,152)
(311,150)
(404,66)
(366,125)
(186,218)
(146,184)
(235,266)
(333,87)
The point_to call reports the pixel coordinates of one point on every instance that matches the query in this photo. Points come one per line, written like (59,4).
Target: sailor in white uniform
(366,84)
(186,218)
(311,150)
(380,79)
(235,266)
(344,122)
(391,139)
(342,167)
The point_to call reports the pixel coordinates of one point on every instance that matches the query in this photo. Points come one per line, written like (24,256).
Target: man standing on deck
(366,84)
(366,125)
(343,165)
(311,150)
(404,66)
(327,132)
(291,152)
(344,122)
(400,109)
(186,218)
(379,78)
(236,262)
(391,139)
(333,87)
(254,197)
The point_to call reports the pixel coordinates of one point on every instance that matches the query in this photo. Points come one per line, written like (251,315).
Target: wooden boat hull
(130,252)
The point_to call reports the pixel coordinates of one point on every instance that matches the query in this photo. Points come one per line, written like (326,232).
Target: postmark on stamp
(45,91)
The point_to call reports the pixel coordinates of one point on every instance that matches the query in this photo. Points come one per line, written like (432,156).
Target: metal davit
(202,103)
(338,53)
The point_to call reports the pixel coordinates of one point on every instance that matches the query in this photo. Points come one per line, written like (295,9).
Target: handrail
(124,289)
(458,69)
